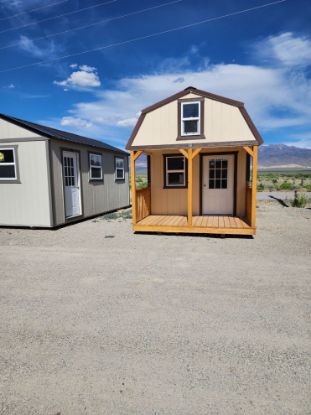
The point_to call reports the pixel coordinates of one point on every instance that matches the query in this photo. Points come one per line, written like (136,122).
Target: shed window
(190,118)
(96,167)
(119,168)
(7,164)
(175,171)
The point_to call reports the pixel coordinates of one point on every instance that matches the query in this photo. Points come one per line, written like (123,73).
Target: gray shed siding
(27,201)
(97,197)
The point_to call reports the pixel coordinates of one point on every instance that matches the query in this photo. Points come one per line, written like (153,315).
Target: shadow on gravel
(281,202)
(196,235)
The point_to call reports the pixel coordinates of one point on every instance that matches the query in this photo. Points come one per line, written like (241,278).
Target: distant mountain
(277,156)
(283,156)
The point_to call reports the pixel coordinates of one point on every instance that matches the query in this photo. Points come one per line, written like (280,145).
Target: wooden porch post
(190,179)
(190,155)
(254,186)
(134,157)
(133,187)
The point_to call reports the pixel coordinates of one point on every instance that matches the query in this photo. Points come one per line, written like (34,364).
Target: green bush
(286,186)
(300,201)
(260,187)
(308,187)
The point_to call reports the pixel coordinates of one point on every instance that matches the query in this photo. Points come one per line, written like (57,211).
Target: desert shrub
(286,186)
(300,200)
(260,187)
(308,187)
(141,182)
(120,214)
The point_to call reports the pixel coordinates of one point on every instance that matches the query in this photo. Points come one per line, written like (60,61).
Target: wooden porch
(200,224)
(145,221)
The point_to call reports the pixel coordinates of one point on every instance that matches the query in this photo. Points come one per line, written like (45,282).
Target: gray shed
(50,177)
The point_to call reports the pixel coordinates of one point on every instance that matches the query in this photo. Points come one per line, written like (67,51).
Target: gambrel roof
(203,94)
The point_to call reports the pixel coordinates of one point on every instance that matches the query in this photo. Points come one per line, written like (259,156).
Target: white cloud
(87,68)
(278,97)
(28,45)
(9,86)
(127,122)
(75,122)
(262,89)
(85,77)
(287,49)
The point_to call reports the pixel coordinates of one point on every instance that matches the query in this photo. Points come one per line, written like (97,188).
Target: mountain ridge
(283,156)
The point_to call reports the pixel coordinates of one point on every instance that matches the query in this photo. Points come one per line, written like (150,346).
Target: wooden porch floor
(200,224)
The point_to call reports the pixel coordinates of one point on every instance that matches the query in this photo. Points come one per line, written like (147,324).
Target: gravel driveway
(97,320)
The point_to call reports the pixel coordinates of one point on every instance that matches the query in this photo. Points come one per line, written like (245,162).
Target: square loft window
(190,118)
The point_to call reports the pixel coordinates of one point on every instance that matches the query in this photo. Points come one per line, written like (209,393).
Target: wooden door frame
(81,215)
(235,169)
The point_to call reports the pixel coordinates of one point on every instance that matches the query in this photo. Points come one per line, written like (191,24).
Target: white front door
(218,185)
(72,191)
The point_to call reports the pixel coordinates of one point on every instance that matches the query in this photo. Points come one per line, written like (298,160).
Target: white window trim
(92,166)
(119,168)
(167,171)
(182,118)
(9,164)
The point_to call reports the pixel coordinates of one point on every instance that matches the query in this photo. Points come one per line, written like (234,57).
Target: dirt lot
(96,320)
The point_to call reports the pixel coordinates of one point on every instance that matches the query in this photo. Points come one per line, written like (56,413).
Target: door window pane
(218,173)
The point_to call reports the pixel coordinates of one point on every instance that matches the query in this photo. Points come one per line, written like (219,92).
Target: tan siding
(11,131)
(27,203)
(174,201)
(165,201)
(97,197)
(222,123)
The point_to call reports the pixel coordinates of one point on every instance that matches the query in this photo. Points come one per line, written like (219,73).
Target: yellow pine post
(133,187)
(254,186)
(190,187)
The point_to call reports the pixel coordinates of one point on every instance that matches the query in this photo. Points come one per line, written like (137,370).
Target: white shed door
(72,191)
(218,185)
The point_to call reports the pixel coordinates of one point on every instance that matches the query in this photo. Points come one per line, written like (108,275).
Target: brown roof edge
(135,131)
(251,125)
(188,90)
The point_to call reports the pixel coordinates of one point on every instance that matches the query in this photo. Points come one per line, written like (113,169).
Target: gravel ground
(97,320)
(280,195)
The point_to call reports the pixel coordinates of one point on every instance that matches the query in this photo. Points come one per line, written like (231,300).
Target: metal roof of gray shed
(60,135)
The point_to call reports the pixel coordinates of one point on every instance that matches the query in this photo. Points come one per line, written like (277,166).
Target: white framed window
(190,118)
(7,164)
(96,166)
(119,168)
(175,171)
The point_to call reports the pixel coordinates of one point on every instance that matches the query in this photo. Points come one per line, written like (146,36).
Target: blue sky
(262,57)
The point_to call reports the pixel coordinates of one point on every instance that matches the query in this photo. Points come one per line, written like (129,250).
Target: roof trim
(201,93)
(72,138)
(196,145)
(193,90)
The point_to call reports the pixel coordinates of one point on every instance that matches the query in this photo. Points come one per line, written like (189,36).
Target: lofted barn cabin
(202,153)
